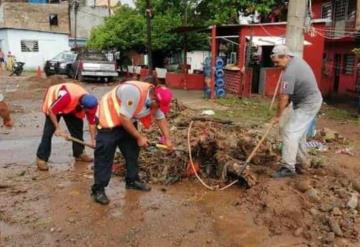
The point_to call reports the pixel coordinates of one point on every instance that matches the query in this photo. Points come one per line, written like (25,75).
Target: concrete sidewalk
(195,100)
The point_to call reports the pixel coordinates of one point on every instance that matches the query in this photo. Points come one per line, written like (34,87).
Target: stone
(329,237)
(303,185)
(299,232)
(353,201)
(313,195)
(336,211)
(334,226)
(356,185)
(314,212)
(326,207)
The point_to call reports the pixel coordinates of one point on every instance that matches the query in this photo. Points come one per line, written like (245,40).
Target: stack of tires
(219,78)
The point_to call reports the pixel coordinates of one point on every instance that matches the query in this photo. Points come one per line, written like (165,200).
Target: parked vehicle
(17,68)
(60,64)
(93,65)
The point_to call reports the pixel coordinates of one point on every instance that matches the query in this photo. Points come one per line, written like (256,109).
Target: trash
(345,151)
(208,112)
(316,145)
(353,202)
(334,226)
(313,195)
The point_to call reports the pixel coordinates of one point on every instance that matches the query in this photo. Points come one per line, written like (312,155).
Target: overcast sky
(129,2)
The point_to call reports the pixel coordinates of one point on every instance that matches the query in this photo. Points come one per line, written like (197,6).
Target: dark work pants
(75,126)
(106,142)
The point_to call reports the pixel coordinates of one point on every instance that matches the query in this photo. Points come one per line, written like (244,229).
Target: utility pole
(148,14)
(76,8)
(109,7)
(295,26)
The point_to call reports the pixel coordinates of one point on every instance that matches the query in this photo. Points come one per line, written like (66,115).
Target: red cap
(164,97)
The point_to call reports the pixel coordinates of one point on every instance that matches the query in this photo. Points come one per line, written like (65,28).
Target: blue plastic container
(207,62)
(219,83)
(37,1)
(220,92)
(207,72)
(219,63)
(219,73)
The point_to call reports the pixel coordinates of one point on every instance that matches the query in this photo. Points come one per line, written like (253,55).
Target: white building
(32,47)
(34,33)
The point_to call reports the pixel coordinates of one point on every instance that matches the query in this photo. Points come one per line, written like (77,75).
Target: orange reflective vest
(52,94)
(109,107)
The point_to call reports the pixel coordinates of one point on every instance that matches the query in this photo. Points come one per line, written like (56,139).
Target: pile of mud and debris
(219,149)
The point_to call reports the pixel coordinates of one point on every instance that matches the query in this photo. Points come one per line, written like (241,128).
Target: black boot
(100,197)
(284,172)
(137,185)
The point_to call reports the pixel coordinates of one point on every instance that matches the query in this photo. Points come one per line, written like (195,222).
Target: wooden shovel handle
(71,138)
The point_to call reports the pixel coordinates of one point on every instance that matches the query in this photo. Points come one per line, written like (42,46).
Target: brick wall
(34,16)
(232,81)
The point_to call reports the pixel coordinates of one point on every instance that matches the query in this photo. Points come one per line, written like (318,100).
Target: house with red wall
(329,41)
(340,73)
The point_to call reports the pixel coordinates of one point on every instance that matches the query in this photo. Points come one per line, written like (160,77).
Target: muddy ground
(54,208)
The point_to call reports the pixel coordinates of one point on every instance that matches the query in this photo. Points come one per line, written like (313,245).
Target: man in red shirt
(73,103)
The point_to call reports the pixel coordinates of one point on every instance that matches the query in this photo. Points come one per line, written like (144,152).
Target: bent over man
(118,114)
(71,102)
(300,88)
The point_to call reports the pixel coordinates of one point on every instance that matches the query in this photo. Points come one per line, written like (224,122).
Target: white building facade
(32,47)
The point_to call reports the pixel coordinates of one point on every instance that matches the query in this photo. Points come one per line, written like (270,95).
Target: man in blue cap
(71,102)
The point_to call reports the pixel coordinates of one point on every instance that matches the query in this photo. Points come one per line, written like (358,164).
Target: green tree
(124,30)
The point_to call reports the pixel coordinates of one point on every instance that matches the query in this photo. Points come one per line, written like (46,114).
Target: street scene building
(184,123)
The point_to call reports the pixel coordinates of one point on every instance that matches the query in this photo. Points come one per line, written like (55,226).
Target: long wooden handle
(257,147)
(71,138)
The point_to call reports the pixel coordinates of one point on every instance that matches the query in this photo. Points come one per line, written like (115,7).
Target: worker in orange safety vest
(118,115)
(71,102)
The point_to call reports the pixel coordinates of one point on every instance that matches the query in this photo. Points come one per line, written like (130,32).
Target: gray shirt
(129,96)
(299,83)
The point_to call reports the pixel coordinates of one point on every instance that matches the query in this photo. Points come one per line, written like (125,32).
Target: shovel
(178,151)
(162,146)
(71,138)
(242,173)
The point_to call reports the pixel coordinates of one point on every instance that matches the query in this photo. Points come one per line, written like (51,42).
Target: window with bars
(340,9)
(29,46)
(349,64)
(326,10)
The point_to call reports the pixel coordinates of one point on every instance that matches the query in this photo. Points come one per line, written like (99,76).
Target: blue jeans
(294,135)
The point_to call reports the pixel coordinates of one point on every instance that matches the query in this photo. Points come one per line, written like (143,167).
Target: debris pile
(219,149)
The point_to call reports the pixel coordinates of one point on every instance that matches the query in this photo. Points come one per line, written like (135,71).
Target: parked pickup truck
(92,65)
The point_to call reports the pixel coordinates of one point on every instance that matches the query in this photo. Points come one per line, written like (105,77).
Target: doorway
(263,61)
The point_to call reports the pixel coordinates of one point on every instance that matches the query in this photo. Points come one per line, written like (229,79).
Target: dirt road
(55,209)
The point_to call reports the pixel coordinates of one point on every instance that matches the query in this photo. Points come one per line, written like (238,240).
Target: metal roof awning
(270,40)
